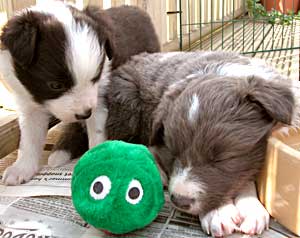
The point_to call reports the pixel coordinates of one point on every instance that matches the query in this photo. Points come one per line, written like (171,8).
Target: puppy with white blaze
(206,116)
(57,60)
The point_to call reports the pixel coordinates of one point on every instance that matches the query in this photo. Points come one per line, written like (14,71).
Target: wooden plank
(9,133)
(172,19)
(106,4)
(115,3)
(19,5)
(8,6)
(279,229)
(6,99)
(158,14)
(51,140)
(98,3)
(287,62)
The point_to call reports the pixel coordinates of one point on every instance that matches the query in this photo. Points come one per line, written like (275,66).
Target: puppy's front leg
(222,221)
(255,217)
(96,125)
(33,124)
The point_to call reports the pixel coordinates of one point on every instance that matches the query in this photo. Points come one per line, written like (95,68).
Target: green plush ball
(116,187)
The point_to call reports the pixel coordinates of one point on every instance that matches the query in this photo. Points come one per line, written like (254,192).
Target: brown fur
(131,30)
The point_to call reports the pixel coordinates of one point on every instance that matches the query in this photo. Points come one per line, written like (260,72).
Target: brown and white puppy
(207,117)
(56,58)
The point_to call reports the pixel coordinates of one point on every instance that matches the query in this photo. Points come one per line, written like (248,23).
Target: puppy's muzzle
(84,116)
(182,201)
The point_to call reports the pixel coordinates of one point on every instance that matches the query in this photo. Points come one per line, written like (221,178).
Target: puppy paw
(19,172)
(59,158)
(255,218)
(222,221)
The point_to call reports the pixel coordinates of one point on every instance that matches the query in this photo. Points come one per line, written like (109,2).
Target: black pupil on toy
(134,193)
(98,187)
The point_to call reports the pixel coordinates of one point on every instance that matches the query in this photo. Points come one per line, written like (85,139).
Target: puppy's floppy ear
(164,107)
(276,98)
(19,36)
(104,27)
(109,48)
(157,133)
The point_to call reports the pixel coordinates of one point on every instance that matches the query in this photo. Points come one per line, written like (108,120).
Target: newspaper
(40,217)
(54,216)
(49,181)
(42,208)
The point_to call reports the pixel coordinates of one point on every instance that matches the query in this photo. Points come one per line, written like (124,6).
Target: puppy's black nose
(84,116)
(182,201)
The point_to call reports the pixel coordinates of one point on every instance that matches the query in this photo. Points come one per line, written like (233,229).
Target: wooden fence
(162,12)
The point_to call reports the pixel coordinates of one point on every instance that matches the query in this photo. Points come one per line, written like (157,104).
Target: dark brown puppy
(131,30)
(209,131)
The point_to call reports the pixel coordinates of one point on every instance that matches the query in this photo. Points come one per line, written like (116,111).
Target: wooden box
(279,184)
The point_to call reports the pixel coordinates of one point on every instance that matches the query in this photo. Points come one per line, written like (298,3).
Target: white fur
(59,158)
(33,124)
(166,56)
(241,70)
(96,123)
(182,184)
(257,67)
(246,215)
(222,221)
(194,75)
(77,101)
(255,218)
(83,53)
(194,108)
(58,9)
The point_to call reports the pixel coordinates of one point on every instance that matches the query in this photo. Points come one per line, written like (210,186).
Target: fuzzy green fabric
(116,187)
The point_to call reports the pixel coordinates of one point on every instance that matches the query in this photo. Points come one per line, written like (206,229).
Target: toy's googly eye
(134,192)
(100,187)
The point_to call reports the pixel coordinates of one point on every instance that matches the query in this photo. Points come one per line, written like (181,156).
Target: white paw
(98,139)
(222,221)
(59,158)
(255,218)
(19,172)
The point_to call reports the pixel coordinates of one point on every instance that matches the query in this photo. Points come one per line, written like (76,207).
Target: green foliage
(297,17)
(257,10)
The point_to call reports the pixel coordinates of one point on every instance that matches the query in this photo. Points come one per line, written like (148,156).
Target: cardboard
(279,183)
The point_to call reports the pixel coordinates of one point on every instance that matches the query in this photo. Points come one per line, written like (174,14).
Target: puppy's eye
(100,187)
(56,86)
(134,192)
